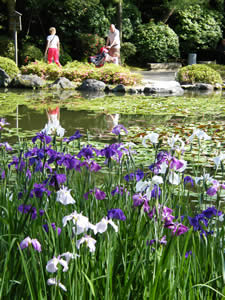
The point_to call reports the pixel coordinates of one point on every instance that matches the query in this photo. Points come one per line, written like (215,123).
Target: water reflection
(112,120)
(53,125)
(36,110)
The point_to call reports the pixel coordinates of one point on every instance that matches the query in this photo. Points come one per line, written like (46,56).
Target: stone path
(157,76)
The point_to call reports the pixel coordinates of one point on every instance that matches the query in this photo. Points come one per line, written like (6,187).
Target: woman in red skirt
(52,47)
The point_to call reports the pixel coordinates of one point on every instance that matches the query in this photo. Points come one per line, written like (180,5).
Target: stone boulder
(163,87)
(120,88)
(27,81)
(4,78)
(204,87)
(62,83)
(92,85)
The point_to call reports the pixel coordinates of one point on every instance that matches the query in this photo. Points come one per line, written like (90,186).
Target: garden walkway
(157,76)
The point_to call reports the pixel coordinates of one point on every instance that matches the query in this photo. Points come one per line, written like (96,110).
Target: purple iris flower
(70,162)
(139,174)
(188,179)
(73,137)
(212,191)
(87,152)
(3,174)
(54,156)
(162,155)
(119,190)
(116,130)
(156,192)
(92,166)
(108,151)
(112,151)
(146,206)
(188,253)
(116,213)
(154,168)
(87,194)
(99,195)
(180,229)
(138,199)
(41,212)
(36,152)
(18,163)
(197,222)
(177,228)
(20,195)
(167,216)
(6,146)
(58,229)
(129,177)
(214,188)
(39,190)
(176,164)
(162,241)
(151,242)
(211,211)
(3,123)
(42,137)
(28,241)
(28,209)
(55,180)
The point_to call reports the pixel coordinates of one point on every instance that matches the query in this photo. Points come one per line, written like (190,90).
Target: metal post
(15,43)
(17,119)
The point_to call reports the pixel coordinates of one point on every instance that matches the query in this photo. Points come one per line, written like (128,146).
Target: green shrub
(77,72)
(52,71)
(7,48)
(156,43)
(127,50)
(198,74)
(9,66)
(65,58)
(30,53)
(90,44)
(198,28)
(37,68)
(131,19)
(219,68)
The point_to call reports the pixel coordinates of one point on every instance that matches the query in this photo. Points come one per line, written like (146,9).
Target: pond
(26,111)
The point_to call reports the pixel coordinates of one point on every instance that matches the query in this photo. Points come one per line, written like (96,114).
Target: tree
(11,7)
(175,5)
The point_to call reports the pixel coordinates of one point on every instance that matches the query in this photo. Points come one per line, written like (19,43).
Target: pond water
(27,111)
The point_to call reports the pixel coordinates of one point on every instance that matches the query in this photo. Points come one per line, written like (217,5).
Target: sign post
(15,25)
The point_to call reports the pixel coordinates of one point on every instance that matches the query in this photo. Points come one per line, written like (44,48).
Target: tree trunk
(11,7)
(119,18)
(166,18)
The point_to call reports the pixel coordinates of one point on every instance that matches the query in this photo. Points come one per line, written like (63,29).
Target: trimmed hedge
(198,73)
(9,66)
